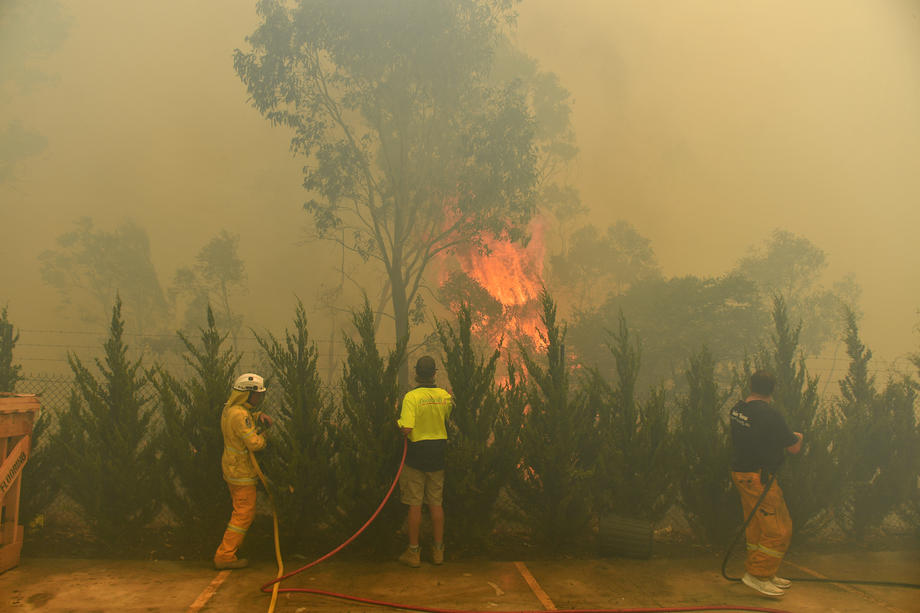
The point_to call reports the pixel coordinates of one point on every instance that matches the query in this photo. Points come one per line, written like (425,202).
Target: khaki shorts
(415,485)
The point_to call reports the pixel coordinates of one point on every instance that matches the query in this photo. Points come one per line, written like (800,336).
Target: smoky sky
(705,124)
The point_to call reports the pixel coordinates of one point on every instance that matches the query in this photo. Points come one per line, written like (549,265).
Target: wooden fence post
(18,413)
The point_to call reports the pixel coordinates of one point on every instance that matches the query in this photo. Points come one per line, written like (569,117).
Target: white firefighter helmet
(250,382)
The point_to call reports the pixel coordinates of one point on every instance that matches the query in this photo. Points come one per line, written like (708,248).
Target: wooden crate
(18,413)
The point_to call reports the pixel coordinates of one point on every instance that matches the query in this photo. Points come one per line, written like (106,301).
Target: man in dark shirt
(759,438)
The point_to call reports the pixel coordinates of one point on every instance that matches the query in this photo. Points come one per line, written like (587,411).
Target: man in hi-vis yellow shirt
(425,410)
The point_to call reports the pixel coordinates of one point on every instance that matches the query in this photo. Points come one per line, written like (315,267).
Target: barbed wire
(105,333)
(886,367)
(339,342)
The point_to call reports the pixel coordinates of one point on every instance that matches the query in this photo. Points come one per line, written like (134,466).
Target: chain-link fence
(54,389)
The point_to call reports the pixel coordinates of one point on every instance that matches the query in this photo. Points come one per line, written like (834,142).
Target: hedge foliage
(539,445)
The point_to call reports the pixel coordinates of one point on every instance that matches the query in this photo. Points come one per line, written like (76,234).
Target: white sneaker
(783,584)
(762,585)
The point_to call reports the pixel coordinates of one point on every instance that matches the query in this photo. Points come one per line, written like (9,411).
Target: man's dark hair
(425,368)
(762,383)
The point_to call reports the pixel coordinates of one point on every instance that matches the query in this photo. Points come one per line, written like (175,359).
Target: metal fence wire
(54,389)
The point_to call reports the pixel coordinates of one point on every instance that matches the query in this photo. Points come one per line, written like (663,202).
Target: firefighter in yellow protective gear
(238,425)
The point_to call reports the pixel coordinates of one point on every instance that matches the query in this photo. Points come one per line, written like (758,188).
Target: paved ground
(103,586)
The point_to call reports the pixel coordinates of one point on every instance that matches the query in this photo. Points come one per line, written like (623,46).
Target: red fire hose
(273,587)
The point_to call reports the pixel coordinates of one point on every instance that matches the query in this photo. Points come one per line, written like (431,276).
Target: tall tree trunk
(401,315)
(339,292)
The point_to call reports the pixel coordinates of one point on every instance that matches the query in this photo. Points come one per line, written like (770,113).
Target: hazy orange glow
(513,275)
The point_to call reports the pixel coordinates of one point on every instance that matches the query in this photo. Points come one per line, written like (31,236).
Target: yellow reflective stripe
(770,552)
(233,449)
(236,529)
(247,433)
(240,480)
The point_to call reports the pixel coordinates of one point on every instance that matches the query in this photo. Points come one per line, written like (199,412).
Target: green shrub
(298,459)
(706,493)
(879,452)
(860,432)
(191,443)
(635,466)
(554,483)
(894,485)
(811,480)
(40,475)
(110,468)
(366,442)
(9,372)
(482,449)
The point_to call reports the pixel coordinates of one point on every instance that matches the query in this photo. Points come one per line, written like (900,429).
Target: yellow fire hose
(255,463)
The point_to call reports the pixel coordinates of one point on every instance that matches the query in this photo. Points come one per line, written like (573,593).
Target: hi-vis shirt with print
(424,409)
(238,427)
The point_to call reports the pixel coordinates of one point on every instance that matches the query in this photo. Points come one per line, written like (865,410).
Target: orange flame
(511,274)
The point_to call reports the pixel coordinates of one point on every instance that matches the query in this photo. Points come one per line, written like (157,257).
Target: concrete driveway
(688,580)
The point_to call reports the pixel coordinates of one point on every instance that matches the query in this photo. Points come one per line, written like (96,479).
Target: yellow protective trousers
(244,511)
(770,531)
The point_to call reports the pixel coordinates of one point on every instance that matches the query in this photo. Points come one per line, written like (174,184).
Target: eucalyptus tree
(596,263)
(91,265)
(218,275)
(411,148)
(792,266)
(673,318)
